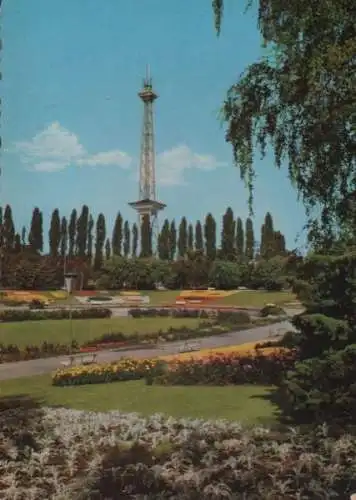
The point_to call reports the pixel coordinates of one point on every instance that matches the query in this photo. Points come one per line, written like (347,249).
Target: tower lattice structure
(147,203)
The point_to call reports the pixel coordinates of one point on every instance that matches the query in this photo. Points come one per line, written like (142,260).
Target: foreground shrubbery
(62,454)
(27,315)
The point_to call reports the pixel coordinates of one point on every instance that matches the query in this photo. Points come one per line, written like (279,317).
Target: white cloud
(56,148)
(171,165)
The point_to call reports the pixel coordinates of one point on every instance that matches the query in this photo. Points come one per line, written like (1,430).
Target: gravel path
(42,366)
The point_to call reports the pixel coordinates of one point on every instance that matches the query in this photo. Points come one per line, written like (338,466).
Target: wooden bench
(189,347)
(85,359)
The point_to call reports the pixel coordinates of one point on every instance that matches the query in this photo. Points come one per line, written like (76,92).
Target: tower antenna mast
(147,204)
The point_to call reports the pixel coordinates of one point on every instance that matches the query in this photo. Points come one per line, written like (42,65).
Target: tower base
(150,208)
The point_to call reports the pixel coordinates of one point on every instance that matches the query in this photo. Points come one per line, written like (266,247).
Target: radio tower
(147,203)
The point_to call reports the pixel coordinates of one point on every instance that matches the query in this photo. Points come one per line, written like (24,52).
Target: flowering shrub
(230,369)
(59,453)
(125,369)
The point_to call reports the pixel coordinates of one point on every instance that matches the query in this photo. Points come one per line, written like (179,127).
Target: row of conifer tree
(85,238)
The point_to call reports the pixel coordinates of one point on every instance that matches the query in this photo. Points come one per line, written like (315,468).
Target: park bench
(189,346)
(85,359)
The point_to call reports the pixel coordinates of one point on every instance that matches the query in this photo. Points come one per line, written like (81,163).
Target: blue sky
(71,117)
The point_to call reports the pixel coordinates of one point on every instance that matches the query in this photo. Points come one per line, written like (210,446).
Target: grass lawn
(243,298)
(23,333)
(247,298)
(248,404)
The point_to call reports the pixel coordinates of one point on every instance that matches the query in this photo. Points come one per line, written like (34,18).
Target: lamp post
(69,279)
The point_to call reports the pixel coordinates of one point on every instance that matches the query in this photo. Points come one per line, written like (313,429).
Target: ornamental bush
(322,387)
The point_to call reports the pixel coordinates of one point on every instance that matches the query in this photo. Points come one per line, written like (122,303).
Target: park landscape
(204,368)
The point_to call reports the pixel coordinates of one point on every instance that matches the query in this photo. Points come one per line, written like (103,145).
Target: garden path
(42,366)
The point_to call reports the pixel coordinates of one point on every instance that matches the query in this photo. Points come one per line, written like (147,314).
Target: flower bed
(214,369)
(229,369)
(125,369)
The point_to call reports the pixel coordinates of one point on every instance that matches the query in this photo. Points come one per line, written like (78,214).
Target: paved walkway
(42,366)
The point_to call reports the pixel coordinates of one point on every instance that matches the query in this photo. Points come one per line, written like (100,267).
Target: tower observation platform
(147,203)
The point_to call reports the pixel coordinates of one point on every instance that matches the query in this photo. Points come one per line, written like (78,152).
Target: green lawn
(243,298)
(23,333)
(248,404)
(247,298)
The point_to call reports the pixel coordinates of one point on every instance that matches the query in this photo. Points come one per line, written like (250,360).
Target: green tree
(8,232)
(164,241)
(190,237)
(183,237)
(199,243)
(267,247)
(228,235)
(279,243)
(99,241)
(90,238)
(134,240)
(35,238)
(107,249)
(210,236)
(146,237)
(172,240)
(127,237)
(303,104)
(17,244)
(240,242)
(54,233)
(82,232)
(249,240)
(117,235)
(23,236)
(72,233)
(64,237)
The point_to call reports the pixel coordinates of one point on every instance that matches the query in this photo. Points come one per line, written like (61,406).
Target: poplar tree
(35,237)
(164,241)
(249,240)
(239,238)
(64,237)
(267,238)
(199,243)
(182,237)
(228,235)
(127,237)
(134,240)
(107,249)
(23,236)
(54,234)
(90,238)
(99,241)
(8,233)
(72,233)
(117,235)
(172,240)
(82,232)
(146,237)
(17,243)
(280,243)
(210,236)
(190,237)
